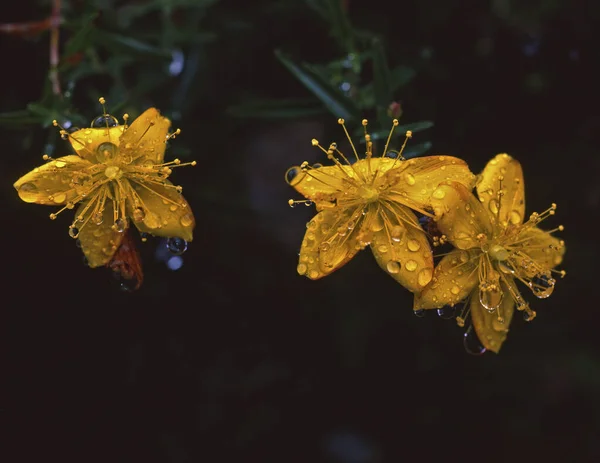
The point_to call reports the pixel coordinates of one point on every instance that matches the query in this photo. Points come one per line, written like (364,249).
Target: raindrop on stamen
(120,225)
(292,174)
(176,245)
(73,232)
(106,120)
(542,285)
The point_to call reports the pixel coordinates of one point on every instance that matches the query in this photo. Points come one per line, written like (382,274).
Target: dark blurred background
(225,353)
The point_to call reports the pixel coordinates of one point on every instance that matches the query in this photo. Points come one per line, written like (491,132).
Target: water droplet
(28,187)
(529,314)
(493,206)
(396,233)
(78,243)
(106,120)
(120,224)
(377,224)
(455,289)
(187,220)
(439,193)
(144,237)
(506,267)
(176,245)
(60,164)
(419,313)
(490,299)
(302,268)
(106,152)
(393,266)
(59,198)
(325,246)
(73,232)
(542,285)
(463,257)
(313,274)
(292,175)
(446,312)
(424,276)
(413,245)
(471,342)
(382,248)
(411,265)
(97,218)
(410,179)
(498,252)
(138,214)
(515,218)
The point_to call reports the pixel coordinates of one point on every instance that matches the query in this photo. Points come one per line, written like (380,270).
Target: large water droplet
(291,175)
(97,218)
(447,312)
(59,198)
(413,245)
(439,193)
(490,299)
(411,265)
(424,276)
(396,233)
(73,232)
(28,187)
(542,285)
(515,217)
(187,220)
(419,313)
(410,179)
(393,266)
(120,224)
(106,120)
(106,152)
(301,269)
(472,343)
(176,245)
(493,206)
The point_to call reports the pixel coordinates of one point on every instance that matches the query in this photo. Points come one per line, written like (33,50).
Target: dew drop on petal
(424,276)
(413,245)
(396,233)
(97,218)
(439,193)
(393,266)
(302,268)
(493,206)
(410,179)
(187,220)
(120,224)
(59,198)
(514,217)
(411,265)
(106,120)
(138,214)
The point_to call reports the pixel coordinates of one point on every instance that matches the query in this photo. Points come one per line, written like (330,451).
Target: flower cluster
(118,177)
(376,201)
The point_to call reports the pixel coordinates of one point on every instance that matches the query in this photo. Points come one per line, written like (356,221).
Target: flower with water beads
(370,202)
(117,176)
(494,249)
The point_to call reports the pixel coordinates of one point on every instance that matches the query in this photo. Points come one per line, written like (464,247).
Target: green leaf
(123,42)
(341,29)
(337,103)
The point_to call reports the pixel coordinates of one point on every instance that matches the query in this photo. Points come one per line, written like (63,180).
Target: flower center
(498,253)
(112,172)
(368,193)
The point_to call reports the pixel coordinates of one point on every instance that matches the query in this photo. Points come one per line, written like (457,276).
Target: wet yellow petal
(490,331)
(542,247)
(460,215)
(50,183)
(503,172)
(85,142)
(145,139)
(454,278)
(98,242)
(401,247)
(322,184)
(416,179)
(164,211)
(330,241)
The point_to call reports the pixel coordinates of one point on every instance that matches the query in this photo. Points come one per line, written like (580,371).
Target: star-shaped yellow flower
(494,249)
(119,177)
(371,202)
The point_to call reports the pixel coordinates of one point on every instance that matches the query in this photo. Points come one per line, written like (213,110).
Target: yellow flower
(119,176)
(494,248)
(371,202)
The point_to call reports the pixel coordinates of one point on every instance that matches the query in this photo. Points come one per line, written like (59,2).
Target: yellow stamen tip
(409,133)
(395,122)
(102,100)
(55,123)
(315,142)
(341,121)
(291,202)
(193,163)
(364,122)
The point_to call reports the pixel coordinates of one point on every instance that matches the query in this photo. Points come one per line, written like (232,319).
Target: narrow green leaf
(337,103)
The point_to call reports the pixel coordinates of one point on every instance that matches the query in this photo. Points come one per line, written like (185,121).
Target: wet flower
(370,202)
(495,248)
(117,176)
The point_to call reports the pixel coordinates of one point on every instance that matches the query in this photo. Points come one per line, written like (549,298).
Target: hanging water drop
(542,285)
(472,343)
(73,232)
(176,245)
(291,175)
(446,312)
(419,313)
(120,224)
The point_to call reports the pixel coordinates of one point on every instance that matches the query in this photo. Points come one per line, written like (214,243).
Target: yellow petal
(330,241)
(323,183)
(98,242)
(50,183)
(85,142)
(145,139)
(503,172)
(490,331)
(542,247)
(416,179)
(165,212)
(460,215)
(454,278)
(401,247)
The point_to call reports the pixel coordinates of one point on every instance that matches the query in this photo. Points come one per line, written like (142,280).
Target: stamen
(293,203)
(64,133)
(172,135)
(125,119)
(342,123)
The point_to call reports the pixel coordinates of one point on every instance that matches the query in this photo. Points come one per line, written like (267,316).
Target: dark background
(234,357)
